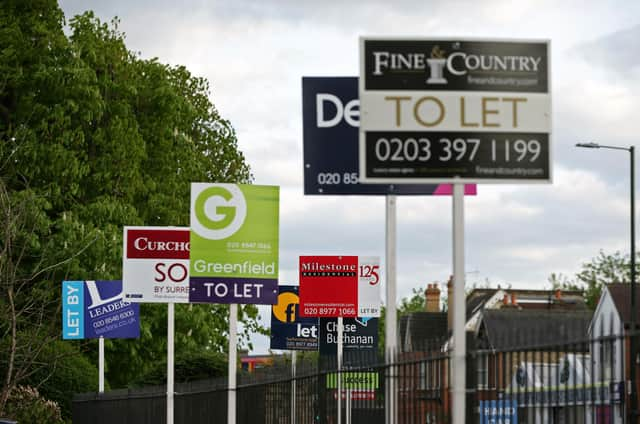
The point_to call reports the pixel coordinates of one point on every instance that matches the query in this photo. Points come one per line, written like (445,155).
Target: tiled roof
(420,330)
(511,328)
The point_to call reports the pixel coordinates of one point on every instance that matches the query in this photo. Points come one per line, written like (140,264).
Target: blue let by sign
(93,309)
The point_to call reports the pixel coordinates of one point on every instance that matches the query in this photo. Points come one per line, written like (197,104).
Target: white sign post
(391,342)
(101,365)
(454,111)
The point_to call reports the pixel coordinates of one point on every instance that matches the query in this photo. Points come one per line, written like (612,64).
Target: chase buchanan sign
(454,110)
(234,244)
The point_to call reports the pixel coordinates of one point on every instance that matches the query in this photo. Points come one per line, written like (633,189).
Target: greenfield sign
(234,243)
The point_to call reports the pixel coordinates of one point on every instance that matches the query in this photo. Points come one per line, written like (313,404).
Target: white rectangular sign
(156,264)
(369,298)
(442,111)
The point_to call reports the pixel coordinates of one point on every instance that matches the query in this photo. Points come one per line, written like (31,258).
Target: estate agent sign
(339,286)
(93,309)
(234,243)
(155,264)
(289,330)
(454,110)
(359,335)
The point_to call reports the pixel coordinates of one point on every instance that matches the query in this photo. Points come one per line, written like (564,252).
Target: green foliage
(415,303)
(70,373)
(189,366)
(601,270)
(92,138)
(26,405)
(198,328)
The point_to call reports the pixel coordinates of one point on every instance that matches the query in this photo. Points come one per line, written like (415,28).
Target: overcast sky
(254,54)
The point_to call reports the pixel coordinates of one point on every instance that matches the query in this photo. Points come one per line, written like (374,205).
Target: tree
(92,138)
(189,366)
(601,270)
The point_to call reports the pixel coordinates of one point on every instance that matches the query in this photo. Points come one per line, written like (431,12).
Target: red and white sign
(155,265)
(356,394)
(339,286)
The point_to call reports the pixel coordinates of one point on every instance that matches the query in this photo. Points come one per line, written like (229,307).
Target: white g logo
(217,210)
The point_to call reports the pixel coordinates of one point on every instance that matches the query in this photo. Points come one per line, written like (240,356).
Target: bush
(189,366)
(25,405)
(68,372)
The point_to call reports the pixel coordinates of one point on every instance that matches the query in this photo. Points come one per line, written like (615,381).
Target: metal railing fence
(520,381)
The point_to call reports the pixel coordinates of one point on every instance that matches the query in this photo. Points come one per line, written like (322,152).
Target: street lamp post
(632,371)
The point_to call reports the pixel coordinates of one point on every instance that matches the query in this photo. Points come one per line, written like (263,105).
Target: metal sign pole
(348,406)
(340,347)
(101,365)
(459,336)
(390,340)
(170,360)
(233,352)
(293,387)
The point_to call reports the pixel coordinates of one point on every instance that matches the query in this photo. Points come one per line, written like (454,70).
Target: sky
(254,54)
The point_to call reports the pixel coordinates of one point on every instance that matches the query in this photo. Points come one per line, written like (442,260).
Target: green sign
(353,380)
(234,243)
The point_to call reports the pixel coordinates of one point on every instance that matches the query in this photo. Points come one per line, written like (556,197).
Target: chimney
(432,296)
(514,299)
(450,303)
(558,294)
(505,299)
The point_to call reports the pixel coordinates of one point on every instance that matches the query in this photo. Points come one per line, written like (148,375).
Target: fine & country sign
(453,110)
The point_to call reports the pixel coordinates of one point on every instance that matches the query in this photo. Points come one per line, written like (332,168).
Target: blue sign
(331,118)
(289,331)
(93,309)
(359,334)
(498,412)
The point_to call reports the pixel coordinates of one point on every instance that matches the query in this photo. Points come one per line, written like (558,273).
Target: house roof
(421,330)
(510,328)
(621,296)
(418,330)
(528,299)
(476,299)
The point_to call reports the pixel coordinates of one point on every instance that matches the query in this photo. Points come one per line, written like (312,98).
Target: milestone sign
(454,111)
(339,286)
